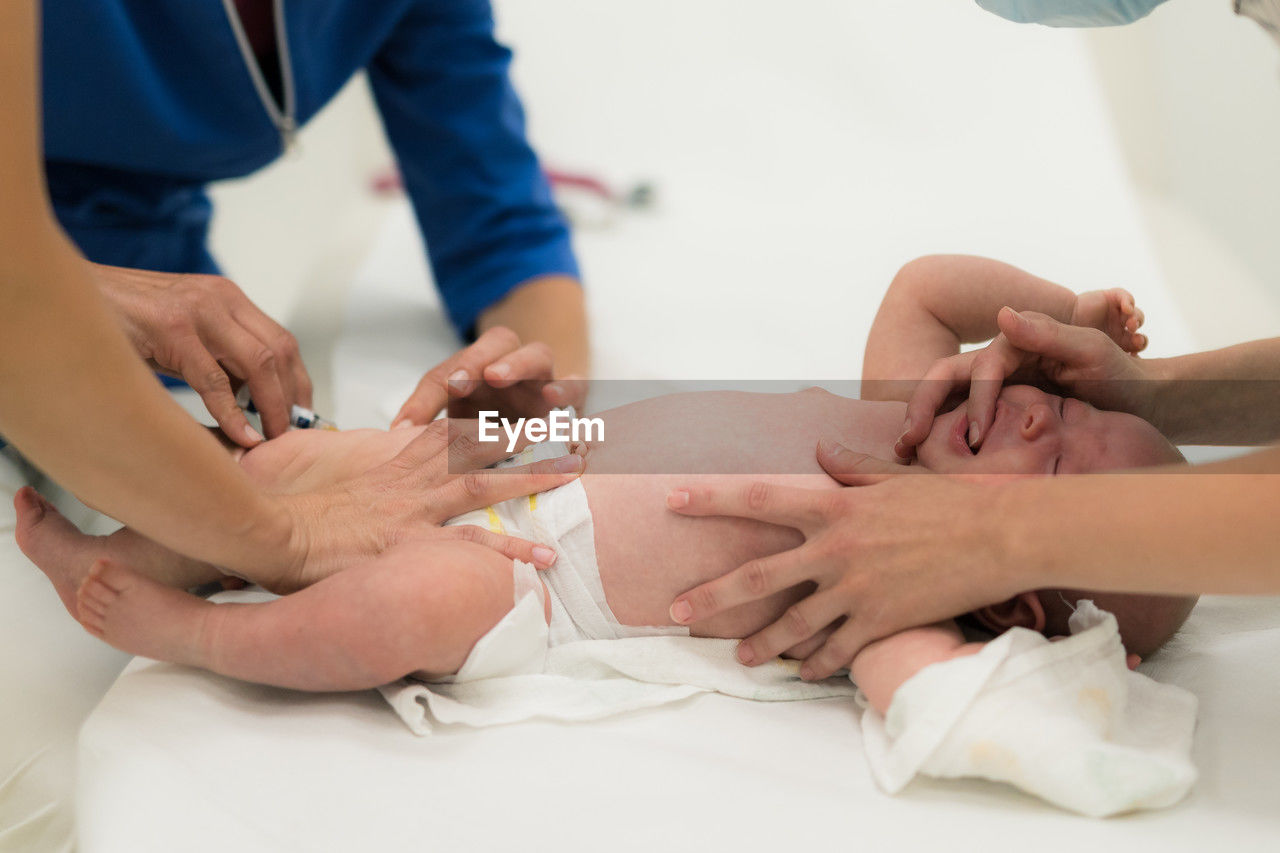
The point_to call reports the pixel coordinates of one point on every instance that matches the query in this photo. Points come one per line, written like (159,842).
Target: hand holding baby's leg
(420,606)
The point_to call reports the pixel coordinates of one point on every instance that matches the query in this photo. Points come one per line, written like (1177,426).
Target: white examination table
(802,152)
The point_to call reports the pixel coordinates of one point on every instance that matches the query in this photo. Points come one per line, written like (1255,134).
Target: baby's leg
(64,554)
(420,606)
(885,665)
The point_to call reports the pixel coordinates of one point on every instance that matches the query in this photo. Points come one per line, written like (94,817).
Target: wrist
(276,542)
(1152,399)
(1015,530)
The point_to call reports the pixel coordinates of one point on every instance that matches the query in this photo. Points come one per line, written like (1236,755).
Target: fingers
(929,396)
(466,452)
(476,489)
(836,653)
(753,581)
(856,469)
(803,509)
(569,391)
(292,373)
(457,376)
(207,378)
(531,361)
(992,365)
(802,650)
(540,556)
(1073,346)
(799,623)
(255,363)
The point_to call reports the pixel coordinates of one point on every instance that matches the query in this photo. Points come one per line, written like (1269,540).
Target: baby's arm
(938,302)
(885,665)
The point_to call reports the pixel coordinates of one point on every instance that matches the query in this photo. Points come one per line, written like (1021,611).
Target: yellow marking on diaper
(495,523)
(533,502)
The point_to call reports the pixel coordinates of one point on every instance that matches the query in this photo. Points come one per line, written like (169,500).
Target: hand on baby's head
(1039,433)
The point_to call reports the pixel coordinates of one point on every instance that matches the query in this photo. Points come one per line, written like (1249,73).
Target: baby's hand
(1114,312)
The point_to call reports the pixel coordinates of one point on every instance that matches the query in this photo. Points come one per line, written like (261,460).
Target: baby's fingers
(541,556)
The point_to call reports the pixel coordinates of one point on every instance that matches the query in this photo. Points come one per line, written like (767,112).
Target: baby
(621,556)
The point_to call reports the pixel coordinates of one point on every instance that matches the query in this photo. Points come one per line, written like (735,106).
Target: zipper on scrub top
(285,120)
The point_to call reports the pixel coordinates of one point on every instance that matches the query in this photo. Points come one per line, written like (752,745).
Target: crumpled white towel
(511,675)
(1066,721)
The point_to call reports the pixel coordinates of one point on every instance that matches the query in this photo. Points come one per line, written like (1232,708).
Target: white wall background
(1193,90)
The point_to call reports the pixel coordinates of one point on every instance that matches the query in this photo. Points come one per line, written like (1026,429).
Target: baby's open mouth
(960,437)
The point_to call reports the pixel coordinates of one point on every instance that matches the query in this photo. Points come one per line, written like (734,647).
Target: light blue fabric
(1071,13)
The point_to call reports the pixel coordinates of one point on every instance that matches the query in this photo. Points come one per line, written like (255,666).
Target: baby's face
(1038,433)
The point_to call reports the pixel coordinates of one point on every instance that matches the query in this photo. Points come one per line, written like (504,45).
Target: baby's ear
(1024,610)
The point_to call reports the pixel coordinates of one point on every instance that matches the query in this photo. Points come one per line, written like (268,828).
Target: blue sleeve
(442,86)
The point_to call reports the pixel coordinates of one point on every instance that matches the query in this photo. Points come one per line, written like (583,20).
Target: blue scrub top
(145,102)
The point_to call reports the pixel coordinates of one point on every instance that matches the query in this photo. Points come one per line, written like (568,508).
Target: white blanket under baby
(1066,721)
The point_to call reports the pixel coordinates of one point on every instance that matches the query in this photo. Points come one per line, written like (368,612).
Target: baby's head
(1146,622)
(1038,433)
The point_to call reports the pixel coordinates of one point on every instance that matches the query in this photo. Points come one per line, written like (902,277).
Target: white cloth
(1066,721)
(514,673)
(52,674)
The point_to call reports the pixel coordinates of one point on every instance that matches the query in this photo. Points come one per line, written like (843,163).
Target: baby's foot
(137,615)
(54,544)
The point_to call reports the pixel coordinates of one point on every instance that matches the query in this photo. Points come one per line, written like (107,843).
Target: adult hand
(1099,365)
(496,373)
(442,473)
(897,552)
(205,330)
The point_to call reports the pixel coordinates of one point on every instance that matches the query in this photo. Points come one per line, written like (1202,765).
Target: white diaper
(585,664)
(561,519)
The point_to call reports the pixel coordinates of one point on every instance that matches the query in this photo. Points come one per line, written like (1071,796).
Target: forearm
(938,302)
(1178,530)
(1226,396)
(885,665)
(77,401)
(550,309)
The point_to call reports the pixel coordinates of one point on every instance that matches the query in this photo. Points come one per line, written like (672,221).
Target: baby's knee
(462,591)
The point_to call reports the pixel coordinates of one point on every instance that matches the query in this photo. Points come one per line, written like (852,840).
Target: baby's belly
(648,554)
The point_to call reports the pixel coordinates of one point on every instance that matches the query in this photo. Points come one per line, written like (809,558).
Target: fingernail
(458,380)
(806,673)
(830,447)
(900,449)
(974,433)
(253,435)
(681,612)
(544,555)
(403,423)
(556,388)
(569,464)
(677,499)
(746,654)
(502,371)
